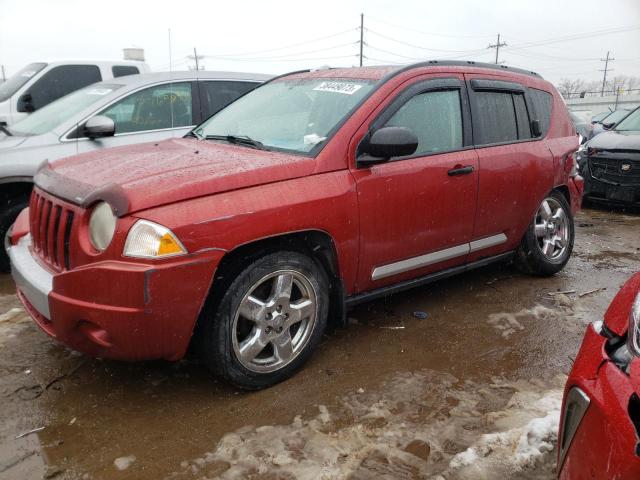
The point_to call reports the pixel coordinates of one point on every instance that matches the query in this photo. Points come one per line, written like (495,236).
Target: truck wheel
(8,214)
(267,322)
(546,247)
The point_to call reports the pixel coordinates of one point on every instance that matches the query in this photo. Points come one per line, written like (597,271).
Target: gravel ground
(472,391)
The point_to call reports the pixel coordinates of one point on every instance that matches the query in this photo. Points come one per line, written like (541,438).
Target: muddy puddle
(461,379)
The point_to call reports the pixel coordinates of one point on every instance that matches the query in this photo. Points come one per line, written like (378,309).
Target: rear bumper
(604,444)
(576,191)
(116,309)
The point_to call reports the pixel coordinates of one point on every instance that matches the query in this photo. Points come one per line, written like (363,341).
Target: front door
(148,115)
(417,212)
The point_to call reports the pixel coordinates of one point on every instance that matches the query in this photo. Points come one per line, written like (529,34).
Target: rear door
(417,212)
(515,169)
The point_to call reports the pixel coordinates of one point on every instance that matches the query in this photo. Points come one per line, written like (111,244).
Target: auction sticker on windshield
(338,87)
(99,91)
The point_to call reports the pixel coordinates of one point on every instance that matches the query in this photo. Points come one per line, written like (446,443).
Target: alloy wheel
(551,228)
(274,321)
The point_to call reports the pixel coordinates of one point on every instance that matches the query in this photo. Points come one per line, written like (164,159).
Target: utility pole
(497,47)
(361,35)
(196,58)
(606,68)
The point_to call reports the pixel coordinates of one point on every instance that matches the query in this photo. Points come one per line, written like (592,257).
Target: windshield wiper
(193,134)
(5,130)
(238,140)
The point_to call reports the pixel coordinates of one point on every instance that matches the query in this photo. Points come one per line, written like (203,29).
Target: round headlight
(102,226)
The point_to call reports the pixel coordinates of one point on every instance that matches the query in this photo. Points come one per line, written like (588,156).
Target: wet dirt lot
(471,391)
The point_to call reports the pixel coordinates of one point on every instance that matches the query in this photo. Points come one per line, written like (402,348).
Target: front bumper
(604,191)
(116,309)
(605,442)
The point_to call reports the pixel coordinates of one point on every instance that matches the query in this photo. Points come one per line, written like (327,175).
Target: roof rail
(468,63)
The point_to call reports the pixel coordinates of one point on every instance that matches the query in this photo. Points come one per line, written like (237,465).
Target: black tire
(215,333)
(530,257)
(9,211)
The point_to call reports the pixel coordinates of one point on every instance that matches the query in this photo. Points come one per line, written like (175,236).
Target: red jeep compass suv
(316,191)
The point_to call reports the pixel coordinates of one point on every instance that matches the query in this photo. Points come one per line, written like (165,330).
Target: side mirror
(25,104)
(608,126)
(386,143)
(99,126)
(535,128)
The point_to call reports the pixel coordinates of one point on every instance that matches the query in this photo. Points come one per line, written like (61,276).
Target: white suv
(39,84)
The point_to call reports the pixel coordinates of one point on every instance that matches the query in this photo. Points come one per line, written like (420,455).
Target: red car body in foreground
(600,426)
(351,225)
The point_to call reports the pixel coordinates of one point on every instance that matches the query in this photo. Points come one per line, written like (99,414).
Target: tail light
(571,165)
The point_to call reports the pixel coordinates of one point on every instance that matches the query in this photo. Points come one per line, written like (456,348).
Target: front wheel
(547,245)
(268,321)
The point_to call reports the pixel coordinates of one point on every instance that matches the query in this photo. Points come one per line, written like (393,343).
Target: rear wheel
(268,321)
(546,247)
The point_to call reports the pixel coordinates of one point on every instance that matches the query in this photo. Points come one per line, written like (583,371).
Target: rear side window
(124,70)
(59,81)
(436,119)
(497,120)
(542,102)
(522,116)
(215,95)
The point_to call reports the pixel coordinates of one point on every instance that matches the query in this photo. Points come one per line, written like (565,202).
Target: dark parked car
(600,422)
(312,193)
(598,117)
(610,121)
(610,163)
(584,128)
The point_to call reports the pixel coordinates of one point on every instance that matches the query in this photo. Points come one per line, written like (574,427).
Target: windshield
(13,84)
(600,116)
(631,123)
(616,116)
(58,112)
(292,115)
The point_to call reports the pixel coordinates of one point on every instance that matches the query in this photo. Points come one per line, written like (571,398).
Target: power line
(425,33)
(579,36)
(604,77)
(306,42)
(373,32)
(497,46)
(275,57)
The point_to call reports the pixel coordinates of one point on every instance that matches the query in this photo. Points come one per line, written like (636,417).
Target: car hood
(148,175)
(614,140)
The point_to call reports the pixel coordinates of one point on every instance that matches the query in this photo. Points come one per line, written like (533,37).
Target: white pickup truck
(40,83)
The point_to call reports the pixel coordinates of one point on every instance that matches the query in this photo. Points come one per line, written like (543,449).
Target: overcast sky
(280,36)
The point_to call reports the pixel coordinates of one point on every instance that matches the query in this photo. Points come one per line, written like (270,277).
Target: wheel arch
(317,244)
(15,187)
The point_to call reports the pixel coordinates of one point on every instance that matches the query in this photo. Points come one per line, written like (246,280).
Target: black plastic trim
(478,84)
(354,300)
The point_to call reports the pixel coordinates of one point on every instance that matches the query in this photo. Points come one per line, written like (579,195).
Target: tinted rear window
(215,95)
(497,121)
(542,102)
(124,70)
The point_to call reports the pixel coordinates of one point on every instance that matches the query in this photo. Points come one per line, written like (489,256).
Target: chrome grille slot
(51,225)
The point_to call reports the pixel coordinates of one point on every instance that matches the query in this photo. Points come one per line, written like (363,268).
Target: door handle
(460,170)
